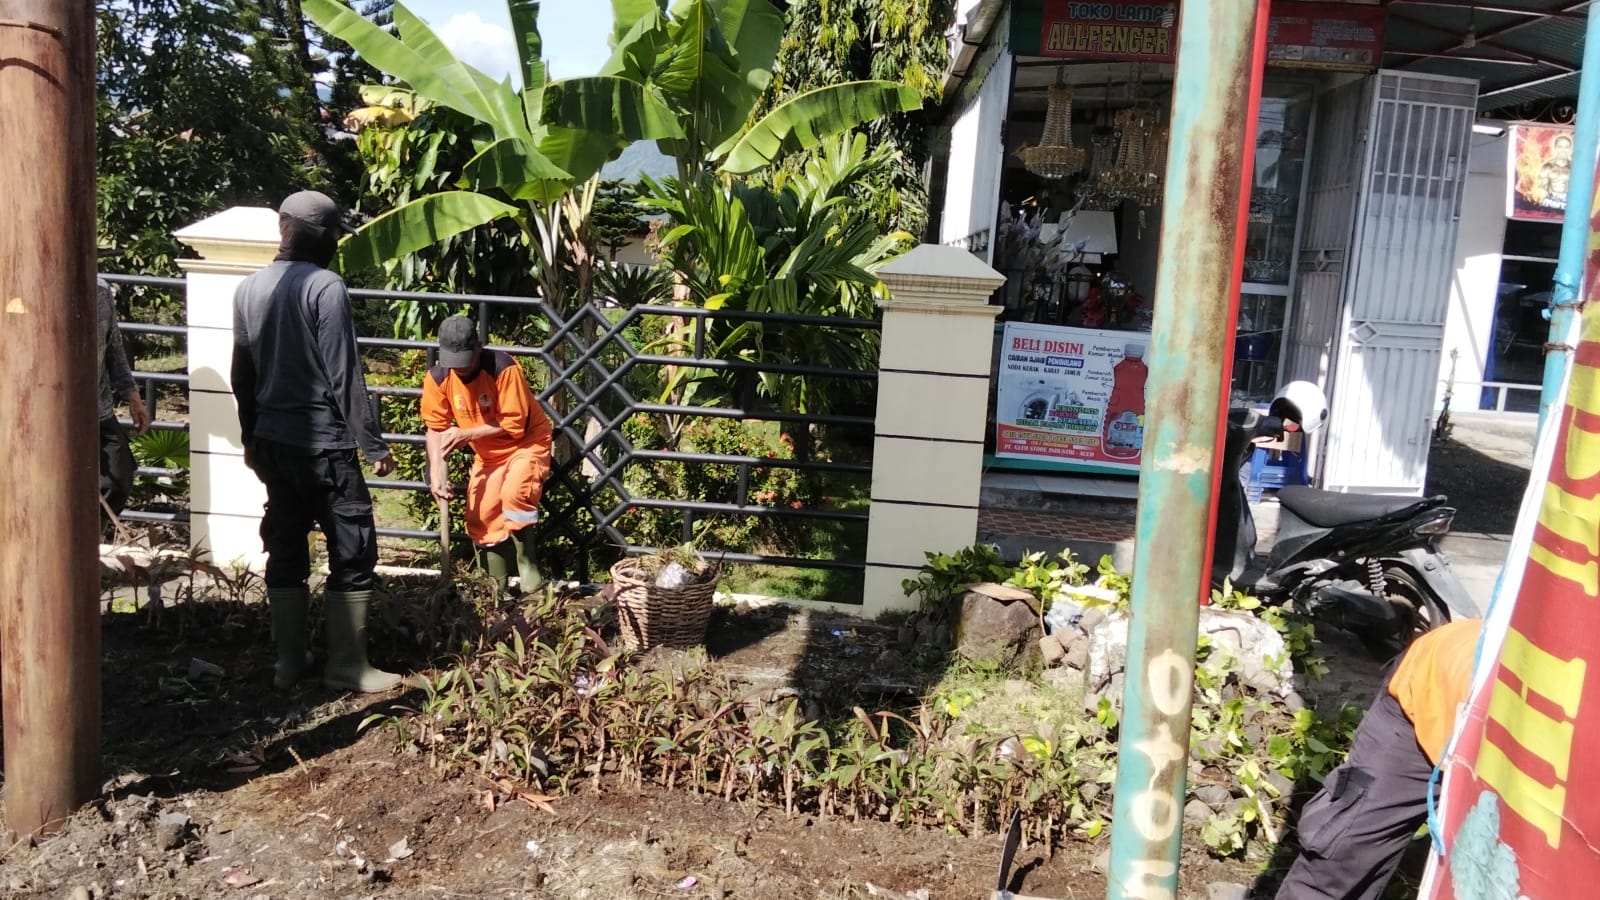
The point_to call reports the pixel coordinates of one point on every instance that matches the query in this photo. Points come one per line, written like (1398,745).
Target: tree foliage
(829,41)
(202,105)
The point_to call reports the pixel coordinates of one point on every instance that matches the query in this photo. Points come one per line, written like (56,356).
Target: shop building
(1378,255)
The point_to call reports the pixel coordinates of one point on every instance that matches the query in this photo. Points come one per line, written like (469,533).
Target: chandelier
(1055,156)
(1138,164)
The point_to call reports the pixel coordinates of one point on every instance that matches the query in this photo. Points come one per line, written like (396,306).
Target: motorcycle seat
(1331,509)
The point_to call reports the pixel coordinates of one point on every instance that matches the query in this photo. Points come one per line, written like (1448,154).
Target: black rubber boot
(289,634)
(348,669)
(497,560)
(528,574)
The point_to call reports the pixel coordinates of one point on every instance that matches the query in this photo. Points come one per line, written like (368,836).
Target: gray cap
(458,342)
(314,208)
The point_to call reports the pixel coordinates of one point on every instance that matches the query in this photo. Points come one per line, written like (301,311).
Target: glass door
(1271,237)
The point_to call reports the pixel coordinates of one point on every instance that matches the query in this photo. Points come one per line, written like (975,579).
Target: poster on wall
(1540,171)
(1301,35)
(1516,811)
(1332,36)
(1071,395)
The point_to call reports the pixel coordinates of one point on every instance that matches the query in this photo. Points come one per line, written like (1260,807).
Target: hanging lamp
(1055,156)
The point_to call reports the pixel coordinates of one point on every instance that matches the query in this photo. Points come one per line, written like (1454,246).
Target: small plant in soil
(541,704)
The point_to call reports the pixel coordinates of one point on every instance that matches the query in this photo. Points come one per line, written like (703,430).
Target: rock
(1196,811)
(200,669)
(1213,795)
(1090,791)
(1208,747)
(997,625)
(1281,785)
(79,893)
(889,661)
(1253,650)
(1092,618)
(1052,651)
(1293,702)
(172,830)
(1077,653)
(1226,890)
(1102,860)
(1108,648)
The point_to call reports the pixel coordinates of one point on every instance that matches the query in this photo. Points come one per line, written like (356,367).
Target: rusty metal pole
(1216,95)
(49,473)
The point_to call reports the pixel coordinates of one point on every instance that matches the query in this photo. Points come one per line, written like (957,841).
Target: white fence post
(225,498)
(933,399)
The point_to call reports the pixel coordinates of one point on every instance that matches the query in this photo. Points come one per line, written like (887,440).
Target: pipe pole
(49,475)
(1216,91)
(1564,299)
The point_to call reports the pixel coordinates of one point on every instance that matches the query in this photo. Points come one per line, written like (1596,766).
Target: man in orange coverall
(479,397)
(1355,830)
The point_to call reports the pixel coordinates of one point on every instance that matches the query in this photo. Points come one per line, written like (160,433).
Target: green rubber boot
(496,561)
(530,578)
(289,634)
(348,669)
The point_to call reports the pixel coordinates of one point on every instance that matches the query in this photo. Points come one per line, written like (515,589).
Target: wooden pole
(49,471)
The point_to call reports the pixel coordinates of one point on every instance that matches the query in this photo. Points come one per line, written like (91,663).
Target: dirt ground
(218,787)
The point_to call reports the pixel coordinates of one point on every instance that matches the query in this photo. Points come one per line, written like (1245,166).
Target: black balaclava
(304,242)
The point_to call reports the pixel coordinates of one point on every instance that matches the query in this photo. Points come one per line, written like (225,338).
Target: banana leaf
(804,120)
(418,224)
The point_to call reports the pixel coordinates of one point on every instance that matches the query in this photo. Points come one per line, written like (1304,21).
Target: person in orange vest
(1355,830)
(478,397)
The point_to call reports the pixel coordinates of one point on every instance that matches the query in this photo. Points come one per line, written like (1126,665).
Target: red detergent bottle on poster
(1124,428)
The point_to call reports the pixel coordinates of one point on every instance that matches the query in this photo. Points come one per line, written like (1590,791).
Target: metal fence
(595,365)
(151,383)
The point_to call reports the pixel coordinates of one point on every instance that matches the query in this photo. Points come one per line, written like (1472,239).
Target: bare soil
(219,786)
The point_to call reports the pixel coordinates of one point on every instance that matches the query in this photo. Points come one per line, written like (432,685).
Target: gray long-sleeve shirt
(116,376)
(296,371)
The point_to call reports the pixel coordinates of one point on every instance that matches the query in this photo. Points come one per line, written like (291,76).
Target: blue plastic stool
(1273,469)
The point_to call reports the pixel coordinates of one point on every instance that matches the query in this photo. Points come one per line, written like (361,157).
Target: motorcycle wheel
(1417,611)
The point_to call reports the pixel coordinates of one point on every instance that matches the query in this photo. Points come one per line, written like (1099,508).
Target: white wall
(1469,325)
(977,151)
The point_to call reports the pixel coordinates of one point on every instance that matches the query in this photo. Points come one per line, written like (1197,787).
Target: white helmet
(1302,402)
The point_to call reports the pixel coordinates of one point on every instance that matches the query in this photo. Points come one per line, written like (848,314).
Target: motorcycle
(1367,563)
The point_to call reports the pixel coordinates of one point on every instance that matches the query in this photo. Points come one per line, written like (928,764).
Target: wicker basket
(652,616)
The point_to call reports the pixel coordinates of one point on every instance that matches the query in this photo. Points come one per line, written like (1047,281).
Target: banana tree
(806,248)
(687,79)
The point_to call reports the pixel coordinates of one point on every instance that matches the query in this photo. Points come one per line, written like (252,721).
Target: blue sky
(479,31)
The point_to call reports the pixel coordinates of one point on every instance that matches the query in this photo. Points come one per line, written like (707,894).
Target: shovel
(445,569)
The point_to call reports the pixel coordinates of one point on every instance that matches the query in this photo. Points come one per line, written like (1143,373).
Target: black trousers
(1355,830)
(116,464)
(322,487)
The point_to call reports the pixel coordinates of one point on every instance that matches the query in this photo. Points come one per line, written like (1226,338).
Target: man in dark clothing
(1354,832)
(303,414)
(116,380)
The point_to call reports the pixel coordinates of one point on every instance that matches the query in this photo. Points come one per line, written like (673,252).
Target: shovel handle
(444,535)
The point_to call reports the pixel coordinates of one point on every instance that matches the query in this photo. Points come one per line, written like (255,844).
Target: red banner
(1517,809)
(1300,34)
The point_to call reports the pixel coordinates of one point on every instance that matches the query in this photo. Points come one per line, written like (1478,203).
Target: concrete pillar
(933,398)
(225,498)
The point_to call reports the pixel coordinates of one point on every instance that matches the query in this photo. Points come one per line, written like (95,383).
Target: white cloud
(483,45)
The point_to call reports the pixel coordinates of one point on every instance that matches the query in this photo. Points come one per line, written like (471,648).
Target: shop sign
(1539,171)
(1334,36)
(1071,395)
(1517,810)
(1300,35)
(1118,30)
